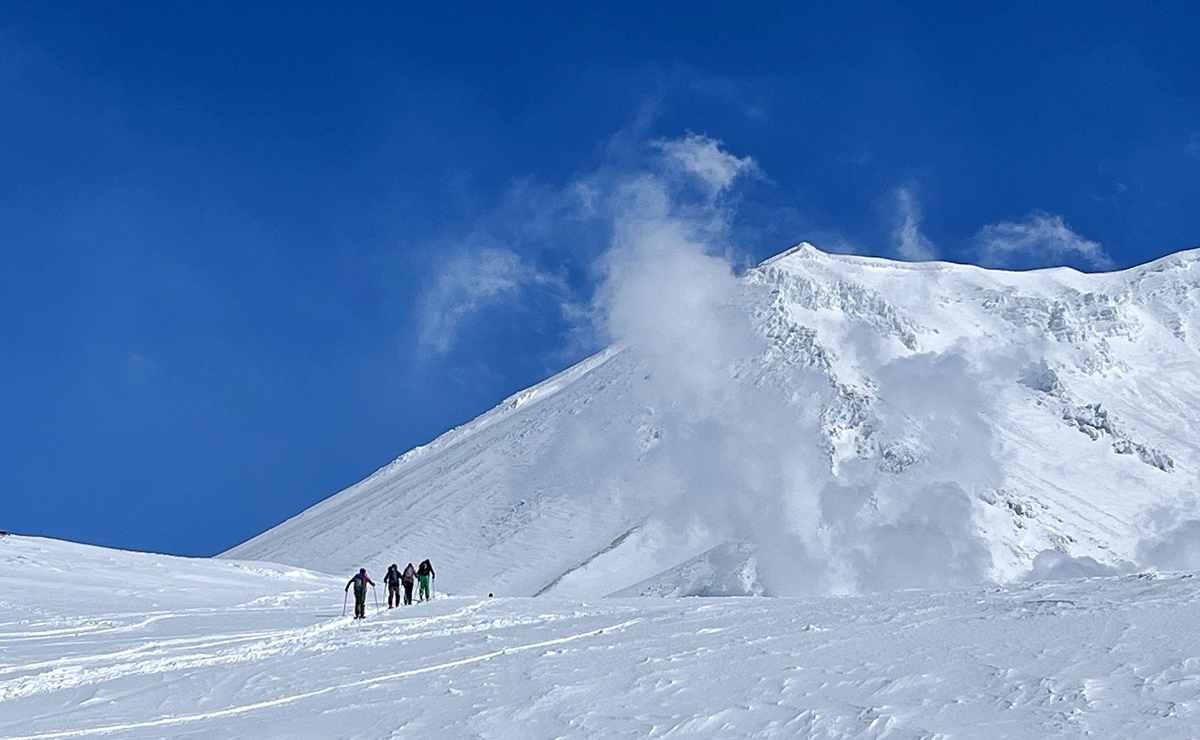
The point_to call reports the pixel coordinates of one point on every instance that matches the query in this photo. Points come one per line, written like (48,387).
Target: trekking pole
(375,594)
(347,595)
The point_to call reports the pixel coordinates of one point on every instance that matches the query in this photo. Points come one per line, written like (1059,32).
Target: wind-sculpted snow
(175,647)
(854,424)
(854,301)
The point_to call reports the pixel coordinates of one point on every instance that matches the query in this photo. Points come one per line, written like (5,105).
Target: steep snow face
(834,424)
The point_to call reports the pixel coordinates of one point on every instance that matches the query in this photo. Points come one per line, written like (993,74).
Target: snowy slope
(878,425)
(102,643)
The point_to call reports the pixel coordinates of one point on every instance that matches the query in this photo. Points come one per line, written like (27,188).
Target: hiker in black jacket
(392,580)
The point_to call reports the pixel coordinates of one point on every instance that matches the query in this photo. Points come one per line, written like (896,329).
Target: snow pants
(423,594)
(393,594)
(360,603)
(408,586)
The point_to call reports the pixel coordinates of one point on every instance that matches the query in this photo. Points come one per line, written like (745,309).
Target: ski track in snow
(366,682)
(271,658)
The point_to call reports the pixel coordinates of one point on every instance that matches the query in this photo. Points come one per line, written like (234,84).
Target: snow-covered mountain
(835,424)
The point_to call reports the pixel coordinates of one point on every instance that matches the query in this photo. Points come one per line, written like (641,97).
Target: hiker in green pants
(425,576)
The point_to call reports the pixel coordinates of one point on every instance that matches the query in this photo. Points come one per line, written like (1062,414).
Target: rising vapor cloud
(910,243)
(737,456)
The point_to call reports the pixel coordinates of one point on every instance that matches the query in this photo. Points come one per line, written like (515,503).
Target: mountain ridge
(979,393)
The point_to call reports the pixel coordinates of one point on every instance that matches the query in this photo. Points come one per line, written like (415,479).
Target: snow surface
(104,643)
(823,424)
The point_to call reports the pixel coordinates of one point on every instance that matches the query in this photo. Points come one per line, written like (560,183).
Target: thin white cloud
(911,244)
(704,158)
(464,285)
(1039,240)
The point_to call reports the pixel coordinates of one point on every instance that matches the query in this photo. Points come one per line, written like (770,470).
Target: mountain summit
(835,424)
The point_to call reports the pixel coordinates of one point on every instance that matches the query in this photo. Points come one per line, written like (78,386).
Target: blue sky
(250,253)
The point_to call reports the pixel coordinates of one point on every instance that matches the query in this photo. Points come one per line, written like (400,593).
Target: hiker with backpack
(360,580)
(392,579)
(425,576)
(408,578)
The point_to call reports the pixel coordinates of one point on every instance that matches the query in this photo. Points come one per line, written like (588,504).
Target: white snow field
(104,643)
(823,424)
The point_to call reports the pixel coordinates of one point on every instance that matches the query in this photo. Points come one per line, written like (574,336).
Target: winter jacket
(426,569)
(409,575)
(357,582)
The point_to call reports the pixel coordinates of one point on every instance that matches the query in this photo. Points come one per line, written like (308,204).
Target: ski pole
(346,596)
(375,595)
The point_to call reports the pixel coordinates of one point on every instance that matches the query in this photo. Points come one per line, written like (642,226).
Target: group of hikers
(422,576)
